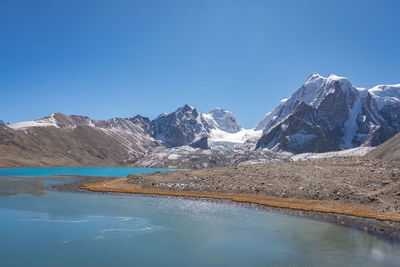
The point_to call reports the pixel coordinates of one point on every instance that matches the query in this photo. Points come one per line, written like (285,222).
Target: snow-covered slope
(226,132)
(220,140)
(329,114)
(223,120)
(353,152)
(385,94)
(44,122)
(216,129)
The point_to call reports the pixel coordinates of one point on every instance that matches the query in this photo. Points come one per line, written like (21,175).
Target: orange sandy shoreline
(119,185)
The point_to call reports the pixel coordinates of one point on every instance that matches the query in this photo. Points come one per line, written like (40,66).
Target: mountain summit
(181,127)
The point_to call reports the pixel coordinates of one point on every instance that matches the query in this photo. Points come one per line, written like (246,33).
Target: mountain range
(324,114)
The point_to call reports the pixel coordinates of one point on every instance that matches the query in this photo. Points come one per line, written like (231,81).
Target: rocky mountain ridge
(329,114)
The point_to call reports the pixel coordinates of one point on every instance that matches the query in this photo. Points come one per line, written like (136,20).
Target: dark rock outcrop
(182,127)
(201,143)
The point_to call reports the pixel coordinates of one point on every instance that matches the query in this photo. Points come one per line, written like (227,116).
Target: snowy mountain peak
(315,77)
(335,85)
(330,114)
(185,108)
(336,77)
(224,120)
(140,119)
(187,112)
(306,93)
(184,112)
(181,127)
(343,82)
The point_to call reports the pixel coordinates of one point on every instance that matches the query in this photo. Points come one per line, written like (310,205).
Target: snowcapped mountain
(226,132)
(181,127)
(305,94)
(329,114)
(216,129)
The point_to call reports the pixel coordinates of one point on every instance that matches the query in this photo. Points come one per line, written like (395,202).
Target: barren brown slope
(390,150)
(50,146)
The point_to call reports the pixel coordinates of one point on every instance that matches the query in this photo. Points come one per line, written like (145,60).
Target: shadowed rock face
(337,116)
(182,127)
(299,133)
(201,143)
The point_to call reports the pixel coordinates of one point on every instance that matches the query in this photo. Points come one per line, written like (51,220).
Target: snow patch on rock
(48,121)
(353,152)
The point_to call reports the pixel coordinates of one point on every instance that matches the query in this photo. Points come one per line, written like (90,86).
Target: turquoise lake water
(79,229)
(95,171)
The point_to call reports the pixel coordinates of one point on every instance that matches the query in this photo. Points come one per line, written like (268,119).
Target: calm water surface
(95,171)
(76,229)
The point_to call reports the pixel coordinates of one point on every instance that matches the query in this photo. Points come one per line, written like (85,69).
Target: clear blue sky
(121,58)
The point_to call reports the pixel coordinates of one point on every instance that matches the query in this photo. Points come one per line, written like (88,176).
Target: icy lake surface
(79,229)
